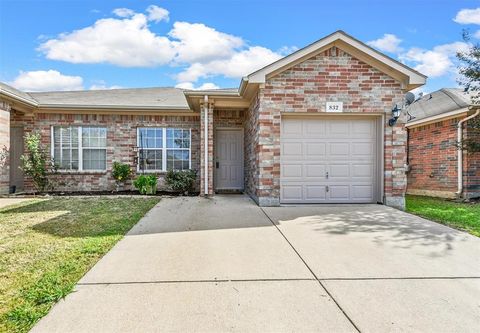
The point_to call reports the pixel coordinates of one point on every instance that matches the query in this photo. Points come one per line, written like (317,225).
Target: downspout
(460,152)
(205,124)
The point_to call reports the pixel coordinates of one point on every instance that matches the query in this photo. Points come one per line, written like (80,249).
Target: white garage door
(328,160)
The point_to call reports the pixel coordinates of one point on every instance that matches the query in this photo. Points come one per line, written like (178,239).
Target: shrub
(36,163)
(121,171)
(180,181)
(146,184)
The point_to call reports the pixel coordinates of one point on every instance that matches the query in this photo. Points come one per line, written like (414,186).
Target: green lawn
(463,216)
(47,245)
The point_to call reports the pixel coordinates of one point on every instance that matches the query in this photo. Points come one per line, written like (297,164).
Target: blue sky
(69,45)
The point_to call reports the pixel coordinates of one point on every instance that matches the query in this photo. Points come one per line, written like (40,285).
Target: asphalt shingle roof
(438,102)
(162,98)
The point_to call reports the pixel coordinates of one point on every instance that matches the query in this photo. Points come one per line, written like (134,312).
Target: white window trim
(164,148)
(80,149)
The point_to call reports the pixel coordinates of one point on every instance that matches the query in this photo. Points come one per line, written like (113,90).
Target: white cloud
(123,12)
(157,14)
(435,62)
(195,42)
(387,43)
(237,66)
(468,16)
(50,80)
(124,42)
(191,86)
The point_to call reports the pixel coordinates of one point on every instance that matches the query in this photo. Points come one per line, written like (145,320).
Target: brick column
(4,146)
(206,110)
(395,161)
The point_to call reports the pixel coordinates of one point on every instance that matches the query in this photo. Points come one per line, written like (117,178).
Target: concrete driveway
(225,264)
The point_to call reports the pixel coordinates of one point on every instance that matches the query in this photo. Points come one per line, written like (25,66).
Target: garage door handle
(326,175)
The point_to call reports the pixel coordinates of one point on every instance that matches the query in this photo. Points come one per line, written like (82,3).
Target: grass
(463,216)
(47,245)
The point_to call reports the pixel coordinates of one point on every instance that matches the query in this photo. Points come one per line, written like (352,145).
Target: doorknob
(326,175)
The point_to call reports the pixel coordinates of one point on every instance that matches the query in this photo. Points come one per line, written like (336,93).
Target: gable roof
(446,102)
(408,76)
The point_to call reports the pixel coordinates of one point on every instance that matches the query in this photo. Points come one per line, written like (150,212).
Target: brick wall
(432,156)
(121,138)
(4,147)
(333,75)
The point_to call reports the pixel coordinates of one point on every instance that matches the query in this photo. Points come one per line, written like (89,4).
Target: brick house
(433,154)
(309,128)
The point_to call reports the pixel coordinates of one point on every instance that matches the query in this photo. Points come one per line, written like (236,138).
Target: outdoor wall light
(395,114)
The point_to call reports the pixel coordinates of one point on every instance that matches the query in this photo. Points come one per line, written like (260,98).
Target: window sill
(82,172)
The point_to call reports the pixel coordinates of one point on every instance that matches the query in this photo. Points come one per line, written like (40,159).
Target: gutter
(460,152)
(17,98)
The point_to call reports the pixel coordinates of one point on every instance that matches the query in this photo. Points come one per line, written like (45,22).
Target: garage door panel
(339,149)
(338,128)
(315,192)
(315,129)
(363,149)
(292,149)
(345,147)
(339,170)
(315,149)
(292,170)
(362,192)
(362,170)
(315,170)
(339,192)
(363,129)
(292,128)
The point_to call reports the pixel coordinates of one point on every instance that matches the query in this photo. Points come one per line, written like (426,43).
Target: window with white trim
(79,147)
(162,149)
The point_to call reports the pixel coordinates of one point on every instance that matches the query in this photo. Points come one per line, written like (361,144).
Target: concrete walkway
(225,264)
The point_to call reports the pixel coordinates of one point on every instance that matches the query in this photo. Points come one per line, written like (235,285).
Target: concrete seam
(311,271)
(191,281)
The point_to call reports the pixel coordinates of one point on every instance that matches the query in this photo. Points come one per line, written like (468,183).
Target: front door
(229,159)
(16,151)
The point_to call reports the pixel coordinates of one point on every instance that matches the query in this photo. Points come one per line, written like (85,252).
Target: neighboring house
(432,146)
(309,128)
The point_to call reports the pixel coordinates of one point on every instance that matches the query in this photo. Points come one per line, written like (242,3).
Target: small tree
(36,163)
(469,70)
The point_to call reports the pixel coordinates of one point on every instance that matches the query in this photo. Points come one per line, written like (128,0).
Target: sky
(200,44)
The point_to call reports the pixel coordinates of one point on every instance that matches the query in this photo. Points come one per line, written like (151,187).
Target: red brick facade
(432,157)
(333,75)
(121,140)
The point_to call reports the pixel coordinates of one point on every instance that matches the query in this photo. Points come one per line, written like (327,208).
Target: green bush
(36,163)
(146,184)
(121,171)
(180,181)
